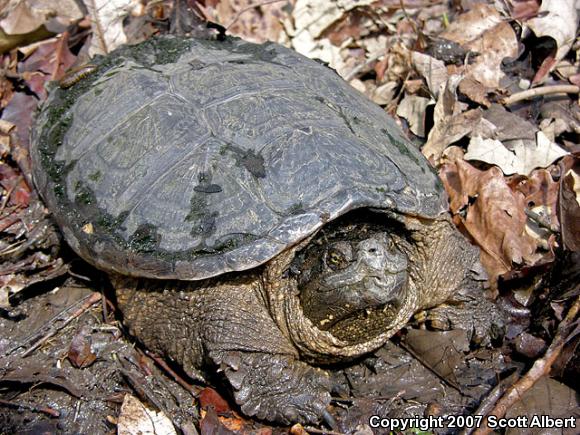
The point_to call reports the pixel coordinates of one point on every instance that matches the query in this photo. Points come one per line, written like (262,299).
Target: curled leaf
(492,214)
(557,19)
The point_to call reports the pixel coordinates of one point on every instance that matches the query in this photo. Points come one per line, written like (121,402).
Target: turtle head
(348,277)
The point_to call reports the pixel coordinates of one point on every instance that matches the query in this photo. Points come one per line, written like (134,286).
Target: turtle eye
(335,259)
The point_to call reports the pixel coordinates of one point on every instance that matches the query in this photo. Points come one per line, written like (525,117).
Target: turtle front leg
(225,325)
(469,310)
(276,387)
(261,365)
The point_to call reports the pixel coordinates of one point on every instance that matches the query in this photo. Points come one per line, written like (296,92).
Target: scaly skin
(227,325)
(250,326)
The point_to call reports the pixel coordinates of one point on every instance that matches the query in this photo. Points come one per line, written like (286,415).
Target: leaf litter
(510,170)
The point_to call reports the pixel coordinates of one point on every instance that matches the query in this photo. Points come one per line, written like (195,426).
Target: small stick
(540,368)
(78,276)
(311,429)
(8,193)
(8,224)
(448,382)
(536,92)
(160,362)
(43,409)
(89,301)
(489,401)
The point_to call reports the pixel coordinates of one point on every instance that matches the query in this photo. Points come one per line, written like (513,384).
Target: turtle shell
(184,158)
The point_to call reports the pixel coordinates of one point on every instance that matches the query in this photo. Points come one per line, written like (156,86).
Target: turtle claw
(278,388)
(480,317)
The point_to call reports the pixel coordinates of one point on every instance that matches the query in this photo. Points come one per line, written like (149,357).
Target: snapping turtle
(256,214)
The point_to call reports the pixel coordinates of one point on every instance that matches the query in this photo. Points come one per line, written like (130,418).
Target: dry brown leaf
(380,68)
(385,93)
(575,79)
(210,397)
(570,203)
(311,19)
(135,418)
(541,197)
(433,70)
(19,111)
(13,183)
(544,69)
(482,30)
(49,61)
(80,353)
(450,124)
(524,9)
(413,108)
(492,214)
(546,397)
(298,429)
(560,115)
(25,16)
(474,90)
(493,47)
(211,424)
(540,190)
(316,16)
(351,25)
(257,24)
(31,371)
(472,24)
(521,158)
(557,19)
(20,19)
(449,131)
(508,126)
(107,24)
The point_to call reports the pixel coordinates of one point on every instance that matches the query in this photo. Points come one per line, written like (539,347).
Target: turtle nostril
(372,250)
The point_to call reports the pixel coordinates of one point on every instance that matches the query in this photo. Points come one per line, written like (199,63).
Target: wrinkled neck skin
(439,263)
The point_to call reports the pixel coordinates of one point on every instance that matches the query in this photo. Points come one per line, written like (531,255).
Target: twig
(90,301)
(540,368)
(53,329)
(8,222)
(311,429)
(248,8)
(43,409)
(78,276)
(160,362)
(413,24)
(11,249)
(96,25)
(8,193)
(449,382)
(536,92)
(489,401)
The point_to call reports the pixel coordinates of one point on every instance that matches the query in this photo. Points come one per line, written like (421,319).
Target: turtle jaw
(356,298)
(375,278)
